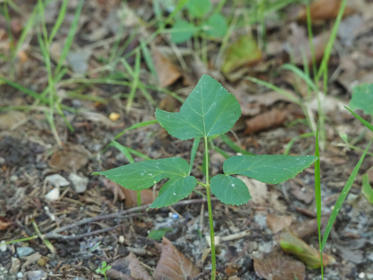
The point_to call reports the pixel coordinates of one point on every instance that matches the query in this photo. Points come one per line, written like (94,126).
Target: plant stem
(209,207)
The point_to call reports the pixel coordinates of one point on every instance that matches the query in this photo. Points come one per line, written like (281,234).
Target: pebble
(24,251)
(19,275)
(79,183)
(3,246)
(36,275)
(79,278)
(53,195)
(56,180)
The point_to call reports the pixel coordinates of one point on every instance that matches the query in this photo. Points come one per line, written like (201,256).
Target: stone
(56,180)
(79,183)
(24,251)
(36,275)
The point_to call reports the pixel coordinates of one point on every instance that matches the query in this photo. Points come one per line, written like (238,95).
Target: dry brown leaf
(167,72)
(147,197)
(299,47)
(321,10)
(277,223)
(258,190)
(276,266)
(265,121)
(4,223)
(69,158)
(173,264)
(128,268)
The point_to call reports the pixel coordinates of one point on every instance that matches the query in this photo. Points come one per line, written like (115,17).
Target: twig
(55,234)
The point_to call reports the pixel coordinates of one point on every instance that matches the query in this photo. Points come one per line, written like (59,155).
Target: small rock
(19,275)
(79,183)
(53,194)
(79,278)
(56,180)
(3,246)
(24,251)
(36,275)
(16,264)
(2,160)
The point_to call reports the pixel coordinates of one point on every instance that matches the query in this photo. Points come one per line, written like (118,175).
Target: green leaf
(157,234)
(272,169)
(173,191)
(216,26)
(182,31)
(209,110)
(198,8)
(142,175)
(362,98)
(367,189)
(230,190)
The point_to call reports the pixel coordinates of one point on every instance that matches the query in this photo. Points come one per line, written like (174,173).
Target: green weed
(207,112)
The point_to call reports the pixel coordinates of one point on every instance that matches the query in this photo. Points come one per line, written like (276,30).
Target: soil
(29,153)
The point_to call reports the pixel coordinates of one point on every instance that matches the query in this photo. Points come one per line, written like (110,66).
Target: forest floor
(59,221)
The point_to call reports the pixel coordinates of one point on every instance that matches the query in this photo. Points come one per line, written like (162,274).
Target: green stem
(209,207)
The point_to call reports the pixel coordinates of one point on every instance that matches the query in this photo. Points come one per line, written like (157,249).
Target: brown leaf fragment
(298,45)
(173,264)
(277,223)
(321,10)
(265,121)
(147,197)
(69,158)
(293,245)
(128,268)
(277,266)
(4,223)
(167,72)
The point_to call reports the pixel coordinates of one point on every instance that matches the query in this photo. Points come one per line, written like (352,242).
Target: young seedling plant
(208,111)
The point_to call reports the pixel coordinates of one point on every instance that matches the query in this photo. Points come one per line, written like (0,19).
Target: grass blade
(363,121)
(342,197)
(301,75)
(70,36)
(135,126)
(318,198)
(61,16)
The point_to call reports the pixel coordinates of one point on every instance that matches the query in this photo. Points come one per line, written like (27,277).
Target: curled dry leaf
(277,266)
(173,264)
(167,72)
(265,121)
(4,223)
(292,244)
(128,268)
(321,10)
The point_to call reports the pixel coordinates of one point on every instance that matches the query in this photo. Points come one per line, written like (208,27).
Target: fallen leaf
(276,266)
(277,223)
(321,10)
(292,244)
(265,121)
(128,268)
(4,223)
(258,190)
(11,120)
(167,72)
(173,264)
(242,52)
(69,158)
(147,197)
